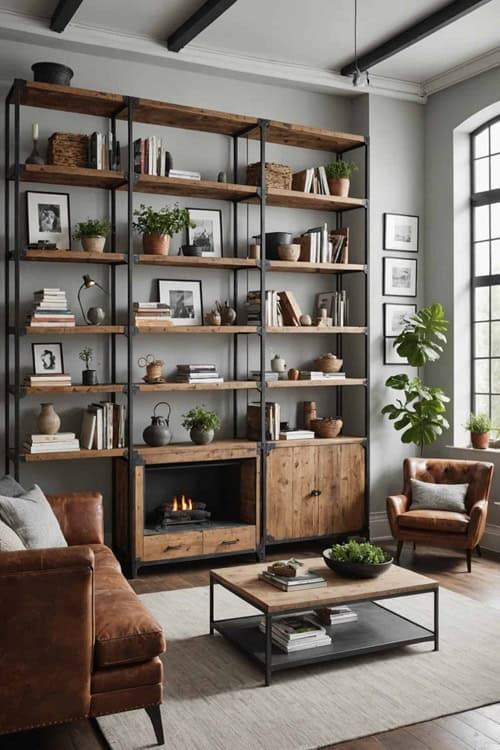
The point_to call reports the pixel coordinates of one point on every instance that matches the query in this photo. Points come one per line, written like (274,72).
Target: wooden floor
(477,730)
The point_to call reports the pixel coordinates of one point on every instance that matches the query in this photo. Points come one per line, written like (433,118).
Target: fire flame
(182,504)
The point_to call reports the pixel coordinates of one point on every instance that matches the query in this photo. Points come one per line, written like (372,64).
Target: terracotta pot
(156,244)
(48,421)
(339,186)
(480,439)
(93,244)
(201,437)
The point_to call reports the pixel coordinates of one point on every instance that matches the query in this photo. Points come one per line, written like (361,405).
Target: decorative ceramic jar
(48,421)
(158,432)
(339,186)
(93,244)
(201,437)
(156,244)
(278,364)
(214,318)
(227,313)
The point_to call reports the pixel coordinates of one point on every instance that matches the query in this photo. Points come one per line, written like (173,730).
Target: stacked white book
(51,309)
(198,373)
(307,580)
(61,442)
(293,633)
(46,380)
(184,174)
(152,314)
(331,616)
(269,375)
(318,375)
(297,435)
(103,426)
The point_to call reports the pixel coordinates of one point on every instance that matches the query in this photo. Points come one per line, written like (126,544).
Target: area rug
(215,699)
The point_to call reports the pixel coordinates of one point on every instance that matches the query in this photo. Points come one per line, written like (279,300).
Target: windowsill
(470,449)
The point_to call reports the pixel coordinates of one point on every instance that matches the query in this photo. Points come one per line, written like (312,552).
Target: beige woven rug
(214,699)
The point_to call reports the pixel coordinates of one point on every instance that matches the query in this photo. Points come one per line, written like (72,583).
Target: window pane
(495,410)
(482,404)
(495,376)
(482,223)
(482,303)
(495,256)
(495,302)
(481,143)
(495,172)
(495,339)
(495,138)
(495,220)
(482,258)
(482,375)
(481,175)
(482,336)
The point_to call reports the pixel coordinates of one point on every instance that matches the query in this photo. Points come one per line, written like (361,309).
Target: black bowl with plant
(201,424)
(355,559)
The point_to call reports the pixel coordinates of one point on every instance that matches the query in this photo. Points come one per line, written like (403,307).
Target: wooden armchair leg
(398,552)
(469,560)
(154,713)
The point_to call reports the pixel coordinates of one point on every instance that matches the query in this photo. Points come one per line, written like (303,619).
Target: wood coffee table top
(243,581)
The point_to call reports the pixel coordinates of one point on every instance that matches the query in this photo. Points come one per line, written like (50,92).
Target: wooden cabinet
(315,490)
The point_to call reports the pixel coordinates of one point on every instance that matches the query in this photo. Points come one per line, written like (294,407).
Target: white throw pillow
(430,496)
(9,541)
(32,519)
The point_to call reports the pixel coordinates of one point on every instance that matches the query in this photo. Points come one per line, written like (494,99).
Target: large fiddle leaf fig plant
(420,412)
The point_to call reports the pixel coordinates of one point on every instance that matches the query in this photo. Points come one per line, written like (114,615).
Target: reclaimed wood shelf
(288,266)
(185,261)
(306,136)
(70,99)
(222,191)
(196,329)
(51,174)
(315,383)
(316,329)
(40,389)
(72,330)
(70,256)
(187,451)
(71,455)
(340,440)
(310,201)
(227,385)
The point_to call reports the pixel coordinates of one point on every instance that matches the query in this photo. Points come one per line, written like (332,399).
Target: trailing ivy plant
(420,412)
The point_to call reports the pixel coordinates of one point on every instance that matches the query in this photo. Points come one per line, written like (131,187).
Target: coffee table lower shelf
(377,629)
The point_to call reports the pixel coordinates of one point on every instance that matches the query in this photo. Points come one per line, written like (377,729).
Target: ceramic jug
(158,432)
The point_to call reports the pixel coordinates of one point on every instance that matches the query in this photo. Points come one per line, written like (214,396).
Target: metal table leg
(436,619)
(211,616)
(269,647)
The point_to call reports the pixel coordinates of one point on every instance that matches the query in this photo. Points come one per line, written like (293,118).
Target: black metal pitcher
(158,432)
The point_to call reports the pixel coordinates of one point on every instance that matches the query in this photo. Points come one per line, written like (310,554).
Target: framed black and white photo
(400,277)
(395,317)
(391,357)
(48,218)
(325,299)
(47,359)
(401,232)
(184,299)
(208,231)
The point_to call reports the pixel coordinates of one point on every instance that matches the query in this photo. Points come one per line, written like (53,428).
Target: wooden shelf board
(70,99)
(104,388)
(72,455)
(306,267)
(316,329)
(72,256)
(341,440)
(184,261)
(196,329)
(187,452)
(77,176)
(298,199)
(222,191)
(228,385)
(72,330)
(304,136)
(315,383)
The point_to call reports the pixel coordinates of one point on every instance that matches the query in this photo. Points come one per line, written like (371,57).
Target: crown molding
(463,72)
(107,43)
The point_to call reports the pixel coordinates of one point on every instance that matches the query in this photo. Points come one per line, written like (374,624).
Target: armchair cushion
(9,487)
(9,540)
(446,497)
(434,520)
(32,519)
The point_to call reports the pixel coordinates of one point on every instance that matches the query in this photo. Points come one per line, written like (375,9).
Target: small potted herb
(479,426)
(92,234)
(201,424)
(339,177)
(158,227)
(89,377)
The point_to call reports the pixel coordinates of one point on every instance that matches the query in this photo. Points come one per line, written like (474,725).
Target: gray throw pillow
(32,519)
(9,541)
(9,487)
(429,496)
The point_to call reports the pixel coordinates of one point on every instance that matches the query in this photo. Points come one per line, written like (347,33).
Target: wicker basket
(68,150)
(277,175)
(326,427)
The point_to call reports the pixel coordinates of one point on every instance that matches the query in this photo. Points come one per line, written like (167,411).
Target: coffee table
(377,628)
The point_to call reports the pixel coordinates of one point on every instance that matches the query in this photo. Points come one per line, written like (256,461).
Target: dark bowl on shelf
(273,240)
(194,251)
(348,569)
(48,72)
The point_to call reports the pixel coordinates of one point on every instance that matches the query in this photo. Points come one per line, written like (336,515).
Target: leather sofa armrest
(396,504)
(80,516)
(46,636)
(478,514)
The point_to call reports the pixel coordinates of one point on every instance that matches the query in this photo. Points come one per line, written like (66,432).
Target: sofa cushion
(128,676)
(9,487)
(450,497)
(33,520)
(125,631)
(9,540)
(434,520)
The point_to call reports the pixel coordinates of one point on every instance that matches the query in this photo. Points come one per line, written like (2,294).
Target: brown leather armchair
(75,640)
(442,528)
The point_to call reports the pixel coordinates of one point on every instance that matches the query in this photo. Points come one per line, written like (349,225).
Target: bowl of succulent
(355,559)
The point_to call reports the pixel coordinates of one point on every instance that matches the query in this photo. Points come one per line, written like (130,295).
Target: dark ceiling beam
(63,14)
(420,30)
(198,22)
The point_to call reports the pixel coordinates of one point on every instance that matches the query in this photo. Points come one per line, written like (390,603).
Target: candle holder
(35,156)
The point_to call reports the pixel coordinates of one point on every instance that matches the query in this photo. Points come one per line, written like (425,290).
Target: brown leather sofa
(75,640)
(442,528)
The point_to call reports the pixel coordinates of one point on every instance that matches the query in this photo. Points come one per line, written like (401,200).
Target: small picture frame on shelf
(48,218)
(47,359)
(325,299)
(401,232)
(400,277)
(208,231)
(395,317)
(391,357)
(185,300)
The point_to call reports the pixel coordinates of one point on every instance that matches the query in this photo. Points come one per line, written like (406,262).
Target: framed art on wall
(208,231)
(47,359)
(391,357)
(394,317)
(48,218)
(184,299)
(401,232)
(400,277)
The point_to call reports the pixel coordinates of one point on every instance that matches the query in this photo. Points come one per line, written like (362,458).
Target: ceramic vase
(201,437)
(339,186)
(480,439)
(93,244)
(156,244)
(48,421)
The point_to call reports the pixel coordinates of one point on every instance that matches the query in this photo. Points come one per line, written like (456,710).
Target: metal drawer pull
(315,493)
(230,541)
(173,546)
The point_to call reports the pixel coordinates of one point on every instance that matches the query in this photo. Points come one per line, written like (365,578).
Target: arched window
(485,231)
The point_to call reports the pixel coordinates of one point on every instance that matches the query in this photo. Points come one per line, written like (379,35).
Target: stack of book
(292,633)
(321,245)
(51,309)
(46,380)
(61,442)
(269,375)
(152,314)
(307,580)
(193,373)
(104,151)
(281,308)
(297,435)
(103,426)
(312,180)
(184,174)
(272,421)
(318,375)
(331,616)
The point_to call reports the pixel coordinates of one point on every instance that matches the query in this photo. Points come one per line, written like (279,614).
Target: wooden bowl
(289,252)
(328,363)
(326,427)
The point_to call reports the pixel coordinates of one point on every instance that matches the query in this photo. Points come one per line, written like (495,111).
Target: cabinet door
(279,504)
(305,504)
(341,479)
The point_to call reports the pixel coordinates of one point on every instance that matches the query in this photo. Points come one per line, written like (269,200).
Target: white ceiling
(315,36)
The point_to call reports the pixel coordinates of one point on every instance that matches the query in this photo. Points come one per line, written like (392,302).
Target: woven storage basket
(68,150)
(277,175)
(326,427)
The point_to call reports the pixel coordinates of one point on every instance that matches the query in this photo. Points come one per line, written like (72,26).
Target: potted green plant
(357,559)
(339,175)
(201,424)
(92,234)
(479,426)
(158,227)
(89,377)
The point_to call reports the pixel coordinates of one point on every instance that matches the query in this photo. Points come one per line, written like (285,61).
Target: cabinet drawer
(228,540)
(170,546)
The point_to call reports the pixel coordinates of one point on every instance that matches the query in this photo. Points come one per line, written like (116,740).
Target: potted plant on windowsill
(201,424)
(92,234)
(339,175)
(479,426)
(158,227)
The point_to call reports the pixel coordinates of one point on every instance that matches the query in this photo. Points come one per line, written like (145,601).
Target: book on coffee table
(305,581)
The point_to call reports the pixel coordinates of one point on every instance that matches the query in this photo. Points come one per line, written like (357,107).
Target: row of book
(50,309)
(61,442)
(272,420)
(311,180)
(201,373)
(280,308)
(103,426)
(323,245)
(292,633)
(339,308)
(151,157)
(152,313)
(104,151)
